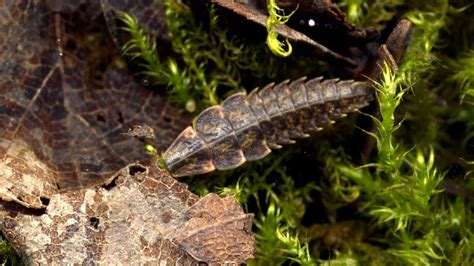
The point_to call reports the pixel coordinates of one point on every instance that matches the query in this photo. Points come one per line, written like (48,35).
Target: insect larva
(246,128)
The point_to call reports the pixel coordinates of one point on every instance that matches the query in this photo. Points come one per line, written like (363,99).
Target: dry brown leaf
(66,100)
(146,216)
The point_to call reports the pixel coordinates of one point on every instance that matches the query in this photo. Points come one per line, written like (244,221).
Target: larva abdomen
(245,128)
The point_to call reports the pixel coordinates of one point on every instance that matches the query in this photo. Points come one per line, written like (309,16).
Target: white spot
(71,221)
(191,105)
(311,22)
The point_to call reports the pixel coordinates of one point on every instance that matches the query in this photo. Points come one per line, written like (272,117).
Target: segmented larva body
(246,128)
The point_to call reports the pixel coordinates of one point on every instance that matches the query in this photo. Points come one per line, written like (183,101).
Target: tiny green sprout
(141,45)
(236,191)
(354,10)
(342,259)
(150,150)
(161,162)
(471,171)
(296,252)
(277,241)
(389,95)
(277,16)
(7,253)
(373,13)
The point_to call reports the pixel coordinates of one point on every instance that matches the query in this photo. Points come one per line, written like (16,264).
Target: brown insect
(246,128)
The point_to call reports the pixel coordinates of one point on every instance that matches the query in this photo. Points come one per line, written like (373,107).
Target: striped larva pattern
(246,128)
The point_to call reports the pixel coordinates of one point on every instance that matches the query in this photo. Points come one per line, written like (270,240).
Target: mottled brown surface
(143,217)
(244,129)
(141,132)
(65,100)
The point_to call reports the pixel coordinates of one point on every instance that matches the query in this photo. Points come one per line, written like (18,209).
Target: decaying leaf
(142,216)
(66,101)
(141,132)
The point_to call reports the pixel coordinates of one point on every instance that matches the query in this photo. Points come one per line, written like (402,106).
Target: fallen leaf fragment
(143,216)
(66,99)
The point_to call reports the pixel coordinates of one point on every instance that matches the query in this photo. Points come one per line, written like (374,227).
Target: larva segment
(346,96)
(270,102)
(287,111)
(237,111)
(188,155)
(361,94)
(214,129)
(314,94)
(268,130)
(331,99)
(304,112)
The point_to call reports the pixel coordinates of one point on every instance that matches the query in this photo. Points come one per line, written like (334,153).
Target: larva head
(188,155)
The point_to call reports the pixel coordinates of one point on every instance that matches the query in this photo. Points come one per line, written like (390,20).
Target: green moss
(464,76)
(8,255)
(209,62)
(277,16)
(371,13)
(277,241)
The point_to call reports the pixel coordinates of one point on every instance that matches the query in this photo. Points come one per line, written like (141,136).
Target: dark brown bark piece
(330,23)
(285,31)
(146,217)
(398,41)
(392,51)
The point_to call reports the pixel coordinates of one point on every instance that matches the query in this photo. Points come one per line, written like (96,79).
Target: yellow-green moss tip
(277,16)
